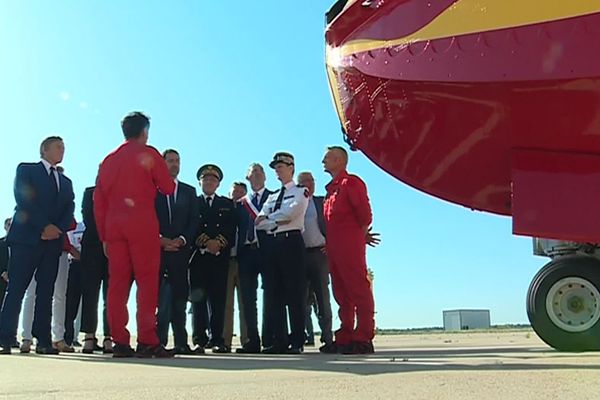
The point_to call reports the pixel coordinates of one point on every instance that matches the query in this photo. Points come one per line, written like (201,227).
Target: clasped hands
(171,245)
(51,232)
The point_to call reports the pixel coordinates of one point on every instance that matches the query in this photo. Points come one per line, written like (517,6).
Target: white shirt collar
(259,192)
(206,197)
(290,185)
(47,165)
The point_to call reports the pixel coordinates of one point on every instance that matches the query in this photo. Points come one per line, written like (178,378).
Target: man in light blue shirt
(317,270)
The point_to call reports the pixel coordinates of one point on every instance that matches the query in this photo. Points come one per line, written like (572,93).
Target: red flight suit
(126,220)
(347,212)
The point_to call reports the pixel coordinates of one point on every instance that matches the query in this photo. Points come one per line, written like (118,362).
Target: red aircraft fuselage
(491,104)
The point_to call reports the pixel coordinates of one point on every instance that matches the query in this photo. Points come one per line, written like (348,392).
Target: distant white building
(459,320)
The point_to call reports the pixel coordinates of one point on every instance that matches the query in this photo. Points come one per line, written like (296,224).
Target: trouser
(59,302)
(173,295)
(208,283)
(94,275)
(261,259)
(250,266)
(135,257)
(233,286)
(317,272)
(311,304)
(171,311)
(25,262)
(73,301)
(287,287)
(346,251)
(3,285)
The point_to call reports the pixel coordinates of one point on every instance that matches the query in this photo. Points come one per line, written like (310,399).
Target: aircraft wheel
(563,303)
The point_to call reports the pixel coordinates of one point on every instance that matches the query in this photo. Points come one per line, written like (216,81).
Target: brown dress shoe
(25,346)
(63,347)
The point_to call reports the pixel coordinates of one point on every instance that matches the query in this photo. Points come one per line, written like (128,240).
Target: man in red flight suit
(128,227)
(348,218)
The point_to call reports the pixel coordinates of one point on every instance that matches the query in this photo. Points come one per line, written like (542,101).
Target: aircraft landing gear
(563,303)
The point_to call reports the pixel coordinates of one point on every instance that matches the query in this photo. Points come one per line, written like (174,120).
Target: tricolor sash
(249,206)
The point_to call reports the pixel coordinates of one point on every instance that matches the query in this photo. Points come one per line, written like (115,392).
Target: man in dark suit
(43,215)
(317,269)
(4,256)
(178,221)
(251,257)
(209,267)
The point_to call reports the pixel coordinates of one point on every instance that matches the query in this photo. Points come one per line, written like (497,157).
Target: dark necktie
(209,202)
(170,206)
(53,179)
(279,199)
(250,235)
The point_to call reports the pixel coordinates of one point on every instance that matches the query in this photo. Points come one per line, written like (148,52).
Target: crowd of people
(141,224)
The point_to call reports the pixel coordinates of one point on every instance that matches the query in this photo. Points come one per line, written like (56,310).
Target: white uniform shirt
(290,216)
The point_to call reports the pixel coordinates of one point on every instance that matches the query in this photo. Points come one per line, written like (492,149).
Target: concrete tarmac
(495,365)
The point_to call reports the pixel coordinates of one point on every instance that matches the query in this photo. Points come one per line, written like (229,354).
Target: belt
(286,234)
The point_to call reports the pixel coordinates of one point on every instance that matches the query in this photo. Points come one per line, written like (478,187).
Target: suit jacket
(3,255)
(217,222)
(184,214)
(319,206)
(244,219)
(90,235)
(38,206)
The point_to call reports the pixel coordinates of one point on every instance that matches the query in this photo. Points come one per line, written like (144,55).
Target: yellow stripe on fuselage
(474,16)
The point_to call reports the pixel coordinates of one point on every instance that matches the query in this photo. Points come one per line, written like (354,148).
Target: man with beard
(177,217)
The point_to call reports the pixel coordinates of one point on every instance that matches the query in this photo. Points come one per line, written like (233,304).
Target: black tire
(587,268)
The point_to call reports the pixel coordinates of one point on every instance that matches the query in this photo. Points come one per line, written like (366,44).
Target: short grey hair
(47,142)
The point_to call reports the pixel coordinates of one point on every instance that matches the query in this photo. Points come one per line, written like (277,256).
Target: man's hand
(105,249)
(165,242)
(213,246)
(372,238)
(260,219)
(4,276)
(51,232)
(178,242)
(75,253)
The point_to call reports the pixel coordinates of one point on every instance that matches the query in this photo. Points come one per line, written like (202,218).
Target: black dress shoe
(122,351)
(309,343)
(221,349)
(16,345)
(329,348)
(294,350)
(345,348)
(183,350)
(158,351)
(49,350)
(274,350)
(209,345)
(198,350)
(5,350)
(364,348)
(249,348)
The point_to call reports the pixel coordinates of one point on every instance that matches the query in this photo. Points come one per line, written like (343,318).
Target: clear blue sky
(232,83)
